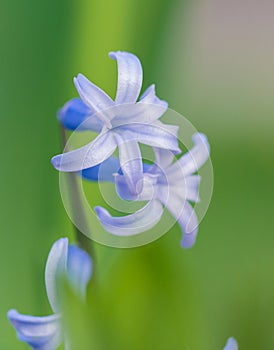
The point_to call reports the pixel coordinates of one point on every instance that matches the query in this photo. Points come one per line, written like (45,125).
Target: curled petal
(147,193)
(183,213)
(87,156)
(130,77)
(149,96)
(56,266)
(231,344)
(131,163)
(41,333)
(189,224)
(95,98)
(194,159)
(142,220)
(155,134)
(103,171)
(76,115)
(79,270)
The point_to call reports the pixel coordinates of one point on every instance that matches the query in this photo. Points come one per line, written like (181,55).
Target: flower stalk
(76,203)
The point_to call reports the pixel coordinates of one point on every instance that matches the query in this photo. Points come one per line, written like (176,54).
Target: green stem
(76,203)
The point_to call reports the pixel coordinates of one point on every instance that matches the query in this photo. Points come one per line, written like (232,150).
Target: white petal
(192,188)
(95,98)
(183,213)
(186,187)
(140,112)
(190,162)
(131,162)
(149,96)
(87,156)
(132,224)
(189,225)
(231,344)
(41,333)
(55,267)
(156,134)
(130,77)
(163,158)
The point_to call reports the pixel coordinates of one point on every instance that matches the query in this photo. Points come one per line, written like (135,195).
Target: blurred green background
(213,62)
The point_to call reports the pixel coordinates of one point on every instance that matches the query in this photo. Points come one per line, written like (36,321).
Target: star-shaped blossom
(46,333)
(173,184)
(122,123)
(231,344)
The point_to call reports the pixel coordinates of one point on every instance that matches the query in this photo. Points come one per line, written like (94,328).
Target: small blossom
(123,123)
(168,183)
(231,344)
(46,333)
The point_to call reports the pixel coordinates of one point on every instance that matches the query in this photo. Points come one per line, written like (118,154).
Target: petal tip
(11,314)
(112,55)
(188,241)
(101,212)
(56,161)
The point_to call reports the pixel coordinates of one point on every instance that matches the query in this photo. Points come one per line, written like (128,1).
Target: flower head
(45,333)
(168,183)
(122,123)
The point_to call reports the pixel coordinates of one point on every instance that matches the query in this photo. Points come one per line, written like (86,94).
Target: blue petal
(76,115)
(131,162)
(163,158)
(183,213)
(41,333)
(56,266)
(103,171)
(140,113)
(149,96)
(79,270)
(189,224)
(130,77)
(146,168)
(190,162)
(192,184)
(95,98)
(147,193)
(87,156)
(231,344)
(142,220)
(156,134)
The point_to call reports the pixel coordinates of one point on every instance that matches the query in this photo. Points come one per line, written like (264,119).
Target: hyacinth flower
(166,183)
(122,123)
(231,344)
(64,260)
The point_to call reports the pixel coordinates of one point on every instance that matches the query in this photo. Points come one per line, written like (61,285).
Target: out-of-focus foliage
(212,62)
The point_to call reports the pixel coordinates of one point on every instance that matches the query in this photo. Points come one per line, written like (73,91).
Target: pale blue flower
(46,333)
(122,123)
(168,183)
(231,344)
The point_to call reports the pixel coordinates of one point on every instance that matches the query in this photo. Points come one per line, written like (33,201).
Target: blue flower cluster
(169,182)
(123,124)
